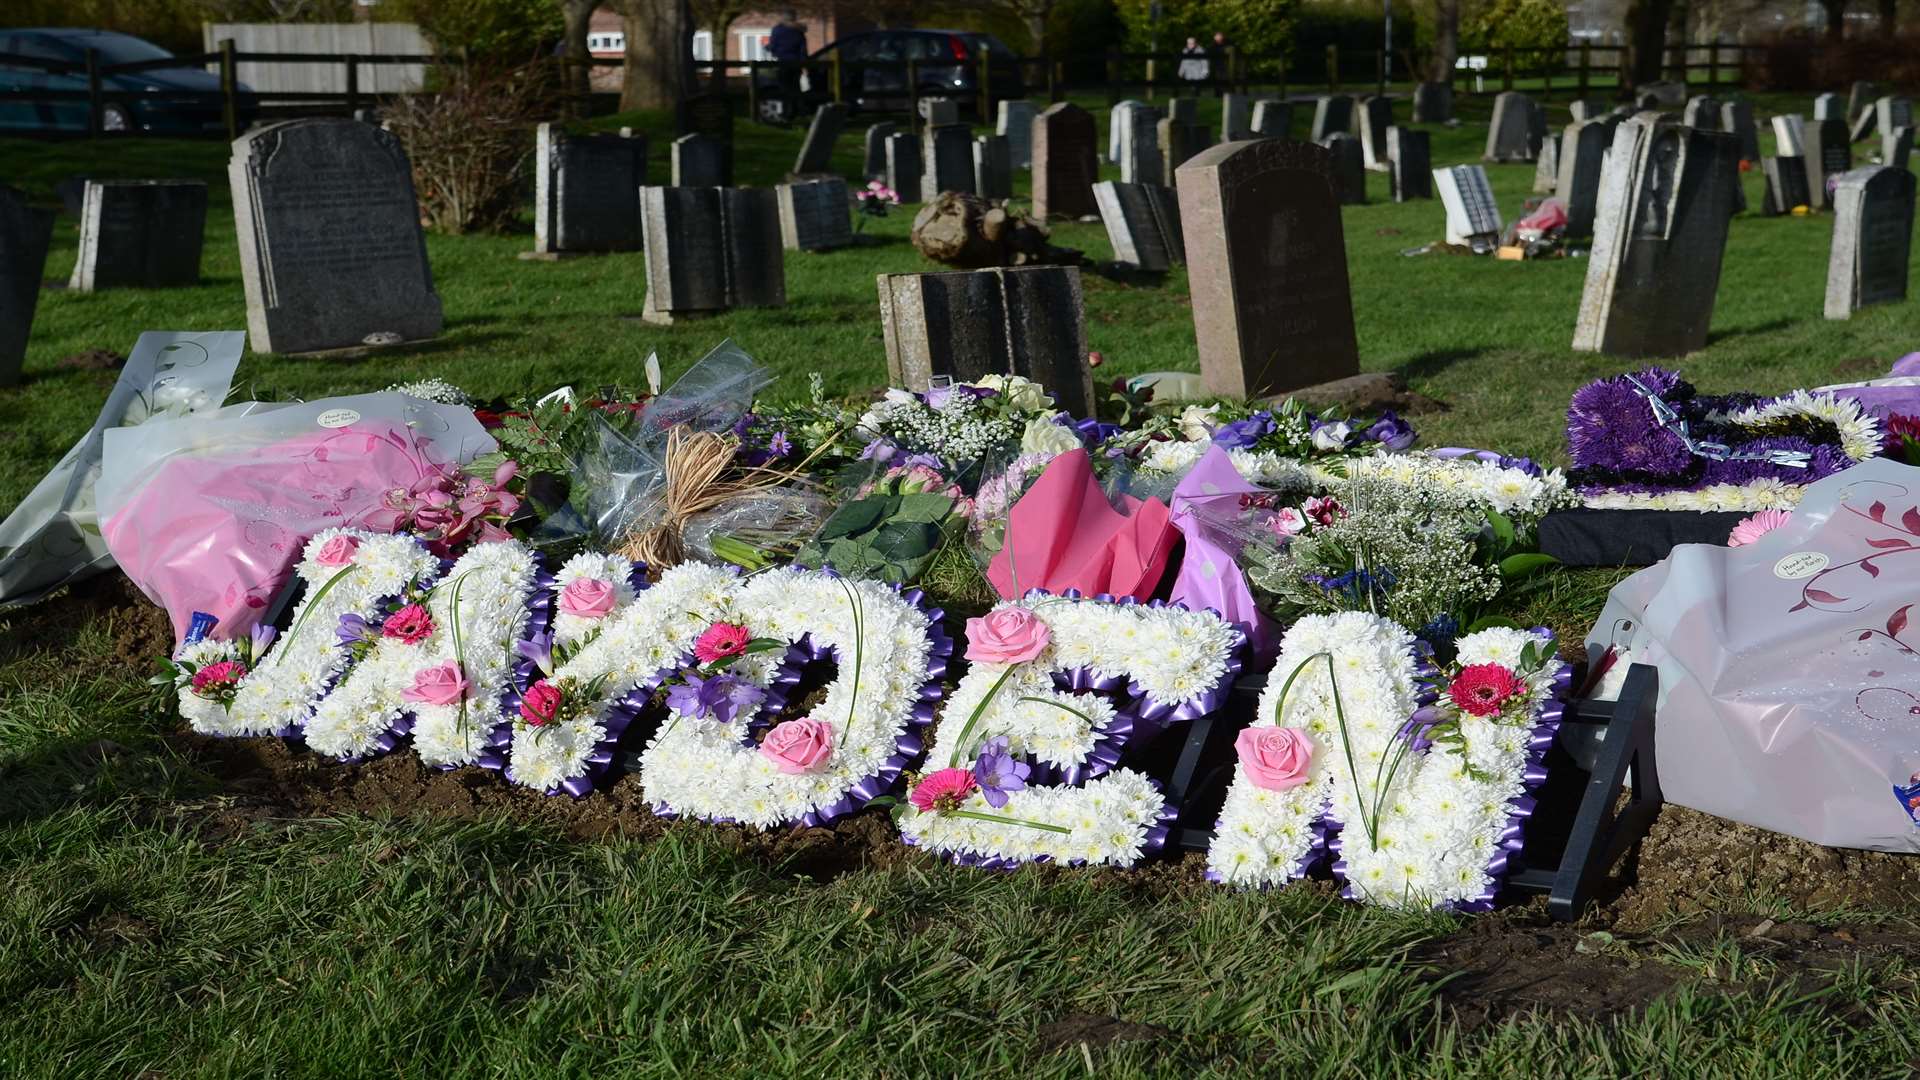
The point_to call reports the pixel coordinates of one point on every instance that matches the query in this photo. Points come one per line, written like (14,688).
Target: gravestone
(1831,155)
(1185,110)
(1410,156)
(1236,117)
(710,249)
(874,164)
(1027,321)
(1860,98)
(1139,147)
(1349,168)
(1143,224)
(586,191)
(992,168)
(1510,136)
(1583,151)
(1546,167)
(1332,113)
(1376,116)
(1896,149)
(1064,169)
(1178,143)
(1267,268)
(25,234)
(1872,239)
(708,113)
(1786,185)
(1737,117)
(1432,103)
(1830,107)
(330,245)
(939,112)
(903,166)
(1016,123)
(1701,112)
(946,161)
(1789,136)
(1659,234)
(816,152)
(702,161)
(1582,109)
(1892,113)
(140,234)
(1272,119)
(1116,124)
(1473,217)
(1865,124)
(814,215)
(1662,95)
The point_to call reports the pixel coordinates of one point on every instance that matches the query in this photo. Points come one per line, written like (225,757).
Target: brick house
(745,39)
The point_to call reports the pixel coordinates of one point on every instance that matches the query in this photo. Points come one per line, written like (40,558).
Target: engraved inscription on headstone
(1143,224)
(1064,168)
(1473,218)
(330,244)
(25,234)
(1872,239)
(1025,321)
(1411,161)
(587,191)
(814,215)
(143,234)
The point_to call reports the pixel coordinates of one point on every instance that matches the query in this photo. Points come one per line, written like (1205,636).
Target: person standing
(1193,68)
(1222,58)
(787,44)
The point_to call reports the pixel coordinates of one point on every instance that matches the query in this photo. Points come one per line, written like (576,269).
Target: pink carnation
(942,791)
(1753,528)
(720,641)
(218,680)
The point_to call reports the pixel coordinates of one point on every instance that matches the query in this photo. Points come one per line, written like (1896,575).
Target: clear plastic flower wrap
(755,531)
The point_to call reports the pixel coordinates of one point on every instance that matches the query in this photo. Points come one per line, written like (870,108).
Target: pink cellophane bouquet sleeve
(1210,576)
(1064,533)
(213,517)
(1789,677)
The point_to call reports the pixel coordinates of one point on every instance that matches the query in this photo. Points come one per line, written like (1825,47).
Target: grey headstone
(938,112)
(1737,117)
(816,153)
(1411,158)
(1546,167)
(586,191)
(1236,117)
(1830,107)
(1789,136)
(946,156)
(1786,184)
(1510,135)
(1872,239)
(1179,141)
(1659,235)
(1064,165)
(874,165)
(1139,146)
(1116,124)
(1860,99)
(1865,125)
(1143,224)
(1184,110)
(1892,113)
(25,234)
(992,167)
(702,161)
(1016,123)
(1349,168)
(1662,95)
(140,234)
(1473,217)
(1583,109)
(1701,112)
(1332,113)
(1272,119)
(903,166)
(1267,268)
(330,243)
(815,215)
(1026,321)
(1829,155)
(1583,151)
(710,249)
(708,113)
(1897,148)
(1376,116)
(1432,103)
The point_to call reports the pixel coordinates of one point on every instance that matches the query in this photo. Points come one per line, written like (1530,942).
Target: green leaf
(855,517)
(1502,528)
(1491,621)
(900,541)
(1515,567)
(923,506)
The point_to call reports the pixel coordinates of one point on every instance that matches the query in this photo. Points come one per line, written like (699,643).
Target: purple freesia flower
(1391,432)
(999,772)
(925,461)
(260,637)
(720,697)
(538,649)
(1524,464)
(353,630)
(881,450)
(1244,434)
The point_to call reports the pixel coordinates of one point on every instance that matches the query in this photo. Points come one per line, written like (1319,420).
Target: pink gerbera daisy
(1481,689)
(1753,528)
(942,791)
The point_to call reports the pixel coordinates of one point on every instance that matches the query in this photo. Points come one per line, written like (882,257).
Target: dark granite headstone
(814,215)
(903,166)
(1179,141)
(1349,168)
(946,156)
(992,168)
(1143,224)
(1272,119)
(1267,268)
(1236,117)
(1897,148)
(701,161)
(1138,147)
(1025,321)
(1786,184)
(25,234)
(1064,165)
(1860,99)
(874,166)
(939,112)
(1583,149)
(1432,103)
(816,153)
(140,234)
(1872,239)
(1332,113)
(1015,121)
(586,191)
(330,244)
(1830,107)
(1701,112)
(1737,117)
(1830,154)
(1184,110)
(1116,123)
(1376,116)
(1892,113)
(710,249)
(1510,135)
(1410,158)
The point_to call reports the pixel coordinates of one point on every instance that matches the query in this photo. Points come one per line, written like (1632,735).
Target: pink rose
(799,746)
(1007,636)
(540,704)
(411,624)
(337,551)
(587,598)
(1275,758)
(441,684)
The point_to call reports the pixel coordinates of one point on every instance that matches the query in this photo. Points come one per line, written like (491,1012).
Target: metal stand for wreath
(1570,877)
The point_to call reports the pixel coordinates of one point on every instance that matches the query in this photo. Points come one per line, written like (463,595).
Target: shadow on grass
(1129,275)
(1433,363)
(1715,337)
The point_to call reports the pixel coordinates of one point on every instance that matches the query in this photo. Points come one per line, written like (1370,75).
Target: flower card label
(1800,564)
(337,418)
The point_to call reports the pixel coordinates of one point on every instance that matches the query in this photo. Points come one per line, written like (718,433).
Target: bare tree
(1647,34)
(578,16)
(1836,11)
(1446,39)
(656,56)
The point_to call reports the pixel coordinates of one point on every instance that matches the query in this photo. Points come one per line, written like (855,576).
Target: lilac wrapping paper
(1210,576)
(1899,392)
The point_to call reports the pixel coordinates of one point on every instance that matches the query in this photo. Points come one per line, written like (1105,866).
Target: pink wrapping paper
(1209,576)
(221,532)
(1065,534)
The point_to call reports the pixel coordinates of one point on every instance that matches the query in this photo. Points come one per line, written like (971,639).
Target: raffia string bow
(697,467)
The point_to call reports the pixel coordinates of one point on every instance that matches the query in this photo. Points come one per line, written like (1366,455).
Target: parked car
(180,99)
(873,73)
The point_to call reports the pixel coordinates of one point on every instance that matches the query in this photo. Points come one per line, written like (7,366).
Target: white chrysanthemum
(1763,494)
(1859,429)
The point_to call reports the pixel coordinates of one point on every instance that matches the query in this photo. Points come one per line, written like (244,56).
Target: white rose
(1047,437)
(1332,436)
(1197,423)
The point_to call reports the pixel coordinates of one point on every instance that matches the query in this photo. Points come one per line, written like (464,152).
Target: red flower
(942,791)
(488,418)
(217,681)
(541,703)
(411,624)
(720,641)
(1482,689)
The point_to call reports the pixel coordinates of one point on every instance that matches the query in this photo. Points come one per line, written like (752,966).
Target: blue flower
(1244,434)
(1391,432)
(720,697)
(354,630)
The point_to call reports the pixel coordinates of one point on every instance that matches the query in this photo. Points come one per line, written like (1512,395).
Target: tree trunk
(1647,33)
(1446,40)
(1836,18)
(656,57)
(1887,15)
(1036,19)
(577,15)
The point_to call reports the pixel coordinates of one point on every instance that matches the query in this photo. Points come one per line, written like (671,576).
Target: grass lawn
(162,915)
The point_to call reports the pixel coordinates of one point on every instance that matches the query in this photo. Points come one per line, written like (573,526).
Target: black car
(180,99)
(873,73)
